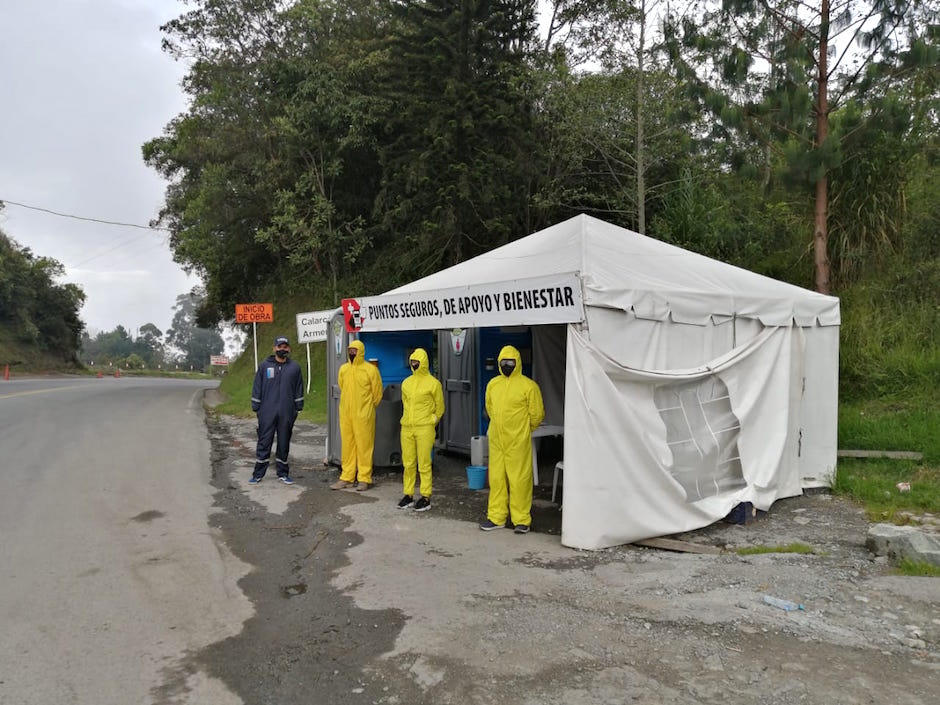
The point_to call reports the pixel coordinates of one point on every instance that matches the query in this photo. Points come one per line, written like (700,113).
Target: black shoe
(487,525)
(521,529)
(423,504)
(406,501)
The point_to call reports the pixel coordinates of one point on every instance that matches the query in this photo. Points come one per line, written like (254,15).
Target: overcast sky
(83,84)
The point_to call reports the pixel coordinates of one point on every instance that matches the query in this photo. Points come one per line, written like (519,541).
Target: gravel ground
(359,602)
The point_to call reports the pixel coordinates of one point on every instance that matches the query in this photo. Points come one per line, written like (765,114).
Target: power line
(4,201)
(108,251)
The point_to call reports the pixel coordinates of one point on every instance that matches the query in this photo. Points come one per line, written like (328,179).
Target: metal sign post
(308,368)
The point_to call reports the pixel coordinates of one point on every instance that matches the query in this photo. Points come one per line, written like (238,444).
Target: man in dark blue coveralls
(277,396)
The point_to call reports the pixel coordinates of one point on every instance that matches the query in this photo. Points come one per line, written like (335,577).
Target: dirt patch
(360,602)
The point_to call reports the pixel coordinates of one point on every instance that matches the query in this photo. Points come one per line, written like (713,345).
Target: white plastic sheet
(630,465)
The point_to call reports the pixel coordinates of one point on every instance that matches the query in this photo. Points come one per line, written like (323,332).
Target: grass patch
(873,482)
(918,569)
(167,374)
(891,423)
(889,376)
(786,548)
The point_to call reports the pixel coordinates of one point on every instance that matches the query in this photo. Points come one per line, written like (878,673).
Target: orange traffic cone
(100,374)
(117,372)
(6,372)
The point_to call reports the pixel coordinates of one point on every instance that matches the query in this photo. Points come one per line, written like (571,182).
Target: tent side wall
(669,425)
(652,452)
(647,344)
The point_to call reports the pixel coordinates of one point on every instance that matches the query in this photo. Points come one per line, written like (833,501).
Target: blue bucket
(476,476)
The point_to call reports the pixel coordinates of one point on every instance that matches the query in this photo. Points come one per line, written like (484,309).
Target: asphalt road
(110,572)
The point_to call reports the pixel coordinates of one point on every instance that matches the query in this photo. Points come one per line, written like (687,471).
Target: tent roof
(625,270)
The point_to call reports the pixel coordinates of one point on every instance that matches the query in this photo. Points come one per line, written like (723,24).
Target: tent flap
(652,453)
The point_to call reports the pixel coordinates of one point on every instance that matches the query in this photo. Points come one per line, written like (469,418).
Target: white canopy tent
(690,385)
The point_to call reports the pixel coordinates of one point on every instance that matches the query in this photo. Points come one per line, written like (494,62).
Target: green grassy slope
(28,359)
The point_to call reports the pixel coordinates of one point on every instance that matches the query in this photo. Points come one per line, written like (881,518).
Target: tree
(272,171)
(108,346)
(599,160)
(218,155)
(777,71)
(195,344)
(325,142)
(37,309)
(149,345)
(617,35)
(457,147)
(119,344)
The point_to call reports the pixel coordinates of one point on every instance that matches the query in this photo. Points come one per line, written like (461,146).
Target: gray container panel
(387,452)
(337,342)
(458,377)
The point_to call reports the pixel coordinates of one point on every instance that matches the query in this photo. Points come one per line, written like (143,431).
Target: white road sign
(311,326)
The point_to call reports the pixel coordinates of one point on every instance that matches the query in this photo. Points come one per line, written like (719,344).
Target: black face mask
(352,355)
(415,364)
(507,366)
(282,354)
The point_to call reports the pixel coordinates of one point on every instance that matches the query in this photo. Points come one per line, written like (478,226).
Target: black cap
(281,340)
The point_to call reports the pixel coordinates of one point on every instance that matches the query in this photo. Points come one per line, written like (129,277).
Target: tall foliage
(776,72)
(334,142)
(34,308)
(219,157)
(456,139)
(194,343)
(325,144)
(592,144)
(117,345)
(624,39)
(346,147)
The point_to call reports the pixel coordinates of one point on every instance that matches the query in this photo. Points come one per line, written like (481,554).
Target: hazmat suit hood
(510,353)
(424,367)
(360,349)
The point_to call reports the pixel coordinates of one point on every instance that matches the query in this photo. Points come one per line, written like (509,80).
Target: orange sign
(254,313)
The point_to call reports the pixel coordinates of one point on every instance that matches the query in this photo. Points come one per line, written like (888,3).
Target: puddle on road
(288,591)
(148,516)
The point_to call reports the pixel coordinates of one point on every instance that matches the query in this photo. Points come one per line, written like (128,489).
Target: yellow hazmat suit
(422,407)
(360,391)
(514,405)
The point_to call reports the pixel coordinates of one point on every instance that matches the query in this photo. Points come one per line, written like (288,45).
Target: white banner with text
(554,298)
